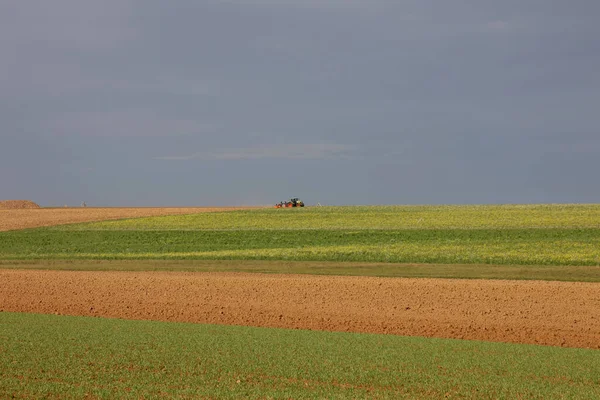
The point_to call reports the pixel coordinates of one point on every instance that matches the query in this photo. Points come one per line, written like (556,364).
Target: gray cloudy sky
(227,102)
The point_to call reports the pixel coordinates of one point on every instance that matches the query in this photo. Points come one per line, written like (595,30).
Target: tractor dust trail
(537,312)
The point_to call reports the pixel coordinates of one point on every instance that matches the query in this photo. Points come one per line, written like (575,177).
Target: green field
(76,357)
(508,235)
(391,270)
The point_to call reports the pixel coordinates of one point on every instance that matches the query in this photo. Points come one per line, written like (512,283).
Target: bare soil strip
(11,219)
(547,313)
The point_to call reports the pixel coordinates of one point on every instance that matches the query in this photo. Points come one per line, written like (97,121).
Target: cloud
(288,151)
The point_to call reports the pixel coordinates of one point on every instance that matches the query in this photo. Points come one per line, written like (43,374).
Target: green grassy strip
(46,356)
(454,271)
(478,246)
(371,217)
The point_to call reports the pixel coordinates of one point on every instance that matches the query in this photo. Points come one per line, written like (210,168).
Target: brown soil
(18,204)
(11,219)
(537,312)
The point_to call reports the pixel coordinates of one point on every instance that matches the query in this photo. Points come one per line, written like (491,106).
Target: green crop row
(47,356)
(392,270)
(478,246)
(370,217)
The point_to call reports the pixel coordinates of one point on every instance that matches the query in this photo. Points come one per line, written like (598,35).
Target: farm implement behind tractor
(295,202)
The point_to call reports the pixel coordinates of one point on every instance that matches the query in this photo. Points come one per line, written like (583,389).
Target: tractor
(295,202)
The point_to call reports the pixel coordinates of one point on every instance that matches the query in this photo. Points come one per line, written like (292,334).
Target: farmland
(257,273)
(505,311)
(21,218)
(563,216)
(391,270)
(78,357)
(509,235)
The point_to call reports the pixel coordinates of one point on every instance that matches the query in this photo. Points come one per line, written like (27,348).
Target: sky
(251,102)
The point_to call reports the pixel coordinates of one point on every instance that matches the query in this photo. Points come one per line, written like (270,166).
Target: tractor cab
(297,202)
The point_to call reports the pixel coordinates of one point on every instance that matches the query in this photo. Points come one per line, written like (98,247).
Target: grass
(76,357)
(550,246)
(457,271)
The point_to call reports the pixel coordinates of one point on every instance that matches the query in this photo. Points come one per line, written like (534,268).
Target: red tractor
(295,202)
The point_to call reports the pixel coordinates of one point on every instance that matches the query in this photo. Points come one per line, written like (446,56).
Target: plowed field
(11,219)
(548,313)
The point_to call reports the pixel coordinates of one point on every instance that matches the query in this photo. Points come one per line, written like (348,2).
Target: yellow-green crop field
(508,235)
(544,216)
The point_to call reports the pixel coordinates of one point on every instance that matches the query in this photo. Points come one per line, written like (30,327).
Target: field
(351,271)
(79,357)
(514,235)
(11,219)
(496,310)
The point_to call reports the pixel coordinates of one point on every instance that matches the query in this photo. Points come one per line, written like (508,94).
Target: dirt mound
(18,204)
(547,313)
